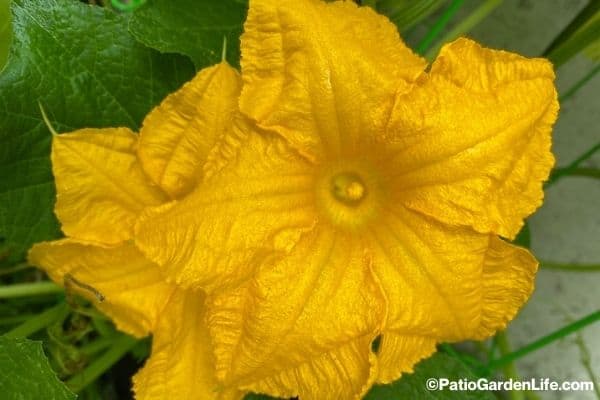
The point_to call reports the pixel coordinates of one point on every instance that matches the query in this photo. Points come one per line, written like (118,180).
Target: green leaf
(5,31)
(414,386)
(26,374)
(191,27)
(83,66)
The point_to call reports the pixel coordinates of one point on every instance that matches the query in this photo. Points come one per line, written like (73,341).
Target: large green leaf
(25,373)
(195,28)
(5,31)
(415,385)
(83,66)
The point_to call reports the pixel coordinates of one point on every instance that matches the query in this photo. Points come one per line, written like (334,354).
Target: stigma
(348,188)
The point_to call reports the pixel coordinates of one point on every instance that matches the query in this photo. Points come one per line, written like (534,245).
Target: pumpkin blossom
(268,228)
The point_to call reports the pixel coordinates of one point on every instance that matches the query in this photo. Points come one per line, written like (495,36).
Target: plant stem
(465,25)
(120,347)
(509,368)
(439,25)
(40,321)
(570,267)
(544,341)
(579,84)
(586,360)
(15,268)
(15,319)
(29,289)
(100,344)
(560,172)
(586,172)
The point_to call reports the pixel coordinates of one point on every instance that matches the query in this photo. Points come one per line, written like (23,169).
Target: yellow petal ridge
(257,202)
(322,74)
(101,188)
(346,372)
(181,365)
(508,281)
(133,292)
(398,354)
(472,139)
(296,311)
(177,136)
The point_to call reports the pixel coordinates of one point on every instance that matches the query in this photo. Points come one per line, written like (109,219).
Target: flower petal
(473,138)
(256,199)
(181,365)
(508,281)
(100,185)
(430,274)
(398,354)
(295,314)
(346,372)
(322,74)
(445,282)
(177,136)
(133,290)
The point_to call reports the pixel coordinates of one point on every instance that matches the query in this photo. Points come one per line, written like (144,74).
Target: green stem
(92,348)
(586,172)
(561,172)
(570,267)
(466,360)
(544,341)
(439,25)
(579,84)
(586,360)
(29,289)
(40,321)
(15,319)
(465,25)
(15,268)
(120,347)
(509,368)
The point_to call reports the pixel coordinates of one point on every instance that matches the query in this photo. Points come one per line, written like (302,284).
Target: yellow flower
(353,195)
(363,197)
(104,179)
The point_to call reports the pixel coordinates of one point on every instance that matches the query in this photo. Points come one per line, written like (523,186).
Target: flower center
(349,193)
(348,188)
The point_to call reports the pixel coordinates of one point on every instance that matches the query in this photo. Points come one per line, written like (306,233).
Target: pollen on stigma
(348,188)
(349,193)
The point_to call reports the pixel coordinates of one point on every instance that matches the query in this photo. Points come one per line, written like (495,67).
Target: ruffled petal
(322,74)
(447,283)
(508,281)
(399,354)
(345,372)
(101,188)
(256,199)
(431,274)
(181,364)
(119,280)
(472,139)
(295,314)
(177,136)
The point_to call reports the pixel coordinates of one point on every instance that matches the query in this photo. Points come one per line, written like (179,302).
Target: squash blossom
(267,228)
